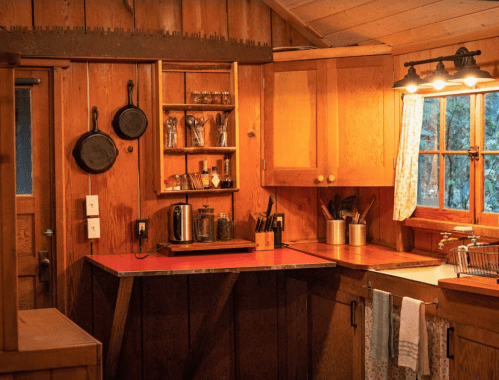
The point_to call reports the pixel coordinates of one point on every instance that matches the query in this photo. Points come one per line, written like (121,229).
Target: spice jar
(216,97)
(196,97)
(226,97)
(206,97)
(184,182)
(224,227)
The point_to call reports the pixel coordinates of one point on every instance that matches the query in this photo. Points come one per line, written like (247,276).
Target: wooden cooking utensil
(364,214)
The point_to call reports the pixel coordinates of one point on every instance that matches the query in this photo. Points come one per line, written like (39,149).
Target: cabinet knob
(320,178)
(331,178)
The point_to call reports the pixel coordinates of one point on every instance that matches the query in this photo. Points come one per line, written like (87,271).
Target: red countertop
(126,265)
(366,257)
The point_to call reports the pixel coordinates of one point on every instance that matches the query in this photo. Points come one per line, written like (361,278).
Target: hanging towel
(382,337)
(423,367)
(409,333)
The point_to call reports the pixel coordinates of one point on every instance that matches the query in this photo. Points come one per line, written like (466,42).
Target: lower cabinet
(473,353)
(336,335)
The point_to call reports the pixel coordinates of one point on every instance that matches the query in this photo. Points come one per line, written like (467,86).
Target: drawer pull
(353,305)
(449,329)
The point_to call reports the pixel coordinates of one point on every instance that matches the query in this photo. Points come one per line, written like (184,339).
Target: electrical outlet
(141,228)
(93,228)
(280,217)
(92,204)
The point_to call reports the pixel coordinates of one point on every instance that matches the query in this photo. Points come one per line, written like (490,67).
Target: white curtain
(406,175)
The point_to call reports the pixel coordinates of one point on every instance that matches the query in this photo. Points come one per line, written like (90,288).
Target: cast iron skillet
(130,122)
(95,151)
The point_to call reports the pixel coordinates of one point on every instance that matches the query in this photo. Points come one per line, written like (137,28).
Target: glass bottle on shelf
(227,182)
(215,179)
(205,176)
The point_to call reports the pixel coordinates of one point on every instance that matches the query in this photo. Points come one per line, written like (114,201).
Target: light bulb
(470,81)
(438,85)
(412,88)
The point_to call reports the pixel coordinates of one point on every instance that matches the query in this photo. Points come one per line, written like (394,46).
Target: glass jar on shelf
(216,97)
(206,97)
(224,227)
(196,97)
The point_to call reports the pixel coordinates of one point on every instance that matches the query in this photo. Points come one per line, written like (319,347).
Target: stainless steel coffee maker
(204,225)
(180,223)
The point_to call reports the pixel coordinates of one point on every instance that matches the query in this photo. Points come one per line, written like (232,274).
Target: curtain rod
(368,287)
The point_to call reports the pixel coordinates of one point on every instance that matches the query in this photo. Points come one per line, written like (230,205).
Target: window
(459,159)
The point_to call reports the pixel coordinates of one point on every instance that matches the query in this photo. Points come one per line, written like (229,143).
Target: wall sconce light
(468,72)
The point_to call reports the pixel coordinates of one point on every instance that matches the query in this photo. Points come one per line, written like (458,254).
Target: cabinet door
(295,118)
(361,128)
(476,354)
(336,336)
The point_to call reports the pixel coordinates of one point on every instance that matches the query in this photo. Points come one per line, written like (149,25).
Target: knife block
(265,240)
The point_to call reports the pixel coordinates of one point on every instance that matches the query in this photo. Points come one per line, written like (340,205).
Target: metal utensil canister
(335,232)
(357,234)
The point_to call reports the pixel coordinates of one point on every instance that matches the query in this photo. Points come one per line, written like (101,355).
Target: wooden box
(265,241)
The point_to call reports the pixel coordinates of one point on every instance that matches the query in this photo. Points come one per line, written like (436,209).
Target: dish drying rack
(476,261)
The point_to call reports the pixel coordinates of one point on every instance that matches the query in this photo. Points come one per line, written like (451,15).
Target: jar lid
(195,92)
(215,93)
(225,93)
(205,92)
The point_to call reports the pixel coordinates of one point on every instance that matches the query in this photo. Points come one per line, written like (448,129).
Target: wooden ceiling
(340,23)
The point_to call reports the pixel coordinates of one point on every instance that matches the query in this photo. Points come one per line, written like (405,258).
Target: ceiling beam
(349,51)
(309,33)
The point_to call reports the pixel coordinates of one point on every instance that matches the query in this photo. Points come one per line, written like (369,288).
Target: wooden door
(336,336)
(295,145)
(34,188)
(361,129)
(476,354)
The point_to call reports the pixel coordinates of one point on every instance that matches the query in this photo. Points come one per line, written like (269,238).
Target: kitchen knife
(259,222)
(269,207)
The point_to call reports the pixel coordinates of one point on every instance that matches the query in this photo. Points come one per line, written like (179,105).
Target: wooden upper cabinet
(361,128)
(329,123)
(295,124)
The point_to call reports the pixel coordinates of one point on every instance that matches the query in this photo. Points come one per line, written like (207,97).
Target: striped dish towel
(409,333)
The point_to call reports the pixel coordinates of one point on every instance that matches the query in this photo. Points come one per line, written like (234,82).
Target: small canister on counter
(224,227)
(357,234)
(335,232)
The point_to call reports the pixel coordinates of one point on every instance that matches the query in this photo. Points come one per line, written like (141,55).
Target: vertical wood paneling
(204,16)
(162,15)
(118,187)
(256,326)
(217,361)
(299,206)
(15,13)
(249,20)
(108,14)
(59,13)
(283,34)
(251,197)
(165,322)
(387,226)
(79,285)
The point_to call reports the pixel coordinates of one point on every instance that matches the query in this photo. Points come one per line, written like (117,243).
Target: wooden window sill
(438,225)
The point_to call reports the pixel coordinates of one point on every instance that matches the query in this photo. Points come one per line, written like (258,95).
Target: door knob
(320,178)
(331,178)
(45,263)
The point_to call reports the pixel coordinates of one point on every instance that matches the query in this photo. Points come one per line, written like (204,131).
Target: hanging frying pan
(130,122)
(95,152)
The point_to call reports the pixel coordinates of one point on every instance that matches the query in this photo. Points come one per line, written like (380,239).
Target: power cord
(148,253)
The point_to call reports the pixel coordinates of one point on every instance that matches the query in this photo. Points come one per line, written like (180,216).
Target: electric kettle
(180,223)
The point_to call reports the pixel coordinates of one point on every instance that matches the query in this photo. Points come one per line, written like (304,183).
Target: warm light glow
(412,88)
(438,85)
(470,81)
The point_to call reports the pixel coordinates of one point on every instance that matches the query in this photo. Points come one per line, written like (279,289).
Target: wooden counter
(366,257)
(473,284)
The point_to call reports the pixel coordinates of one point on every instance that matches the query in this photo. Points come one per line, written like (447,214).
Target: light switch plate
(93,226)
(92,204)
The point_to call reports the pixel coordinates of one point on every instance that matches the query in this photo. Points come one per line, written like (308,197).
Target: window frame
(476,213)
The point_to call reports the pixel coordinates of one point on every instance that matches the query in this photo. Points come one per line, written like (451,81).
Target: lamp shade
(410,82)
(470,74)
(439,79)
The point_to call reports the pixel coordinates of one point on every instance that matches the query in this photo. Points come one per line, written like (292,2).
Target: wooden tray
(216,246)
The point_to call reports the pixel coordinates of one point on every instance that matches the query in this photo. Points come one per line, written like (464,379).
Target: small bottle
(215,179)
(227,181)
(205,176)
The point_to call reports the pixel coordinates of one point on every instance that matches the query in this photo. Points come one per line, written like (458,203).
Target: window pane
(491,184)
(457,123)
(457,182)
(430,130)
(428,170)
(492,121)
(24,179)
